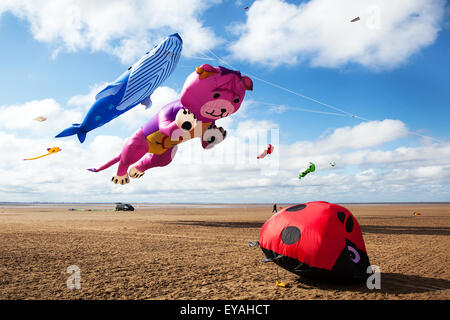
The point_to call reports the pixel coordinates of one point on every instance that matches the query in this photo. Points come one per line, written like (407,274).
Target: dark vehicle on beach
(124,207)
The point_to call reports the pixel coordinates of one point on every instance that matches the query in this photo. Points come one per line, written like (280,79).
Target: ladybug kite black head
(316,239)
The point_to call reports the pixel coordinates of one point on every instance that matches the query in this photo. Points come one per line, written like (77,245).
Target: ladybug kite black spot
(316,239)
(296,208)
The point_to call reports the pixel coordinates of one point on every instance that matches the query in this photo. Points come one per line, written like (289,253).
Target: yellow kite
(50,151)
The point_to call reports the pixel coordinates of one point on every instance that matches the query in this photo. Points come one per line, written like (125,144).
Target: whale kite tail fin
(106,165)
(74,129)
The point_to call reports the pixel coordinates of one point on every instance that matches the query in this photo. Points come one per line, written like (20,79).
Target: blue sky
(390,68)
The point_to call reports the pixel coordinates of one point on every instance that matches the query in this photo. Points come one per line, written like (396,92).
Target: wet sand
(202,253)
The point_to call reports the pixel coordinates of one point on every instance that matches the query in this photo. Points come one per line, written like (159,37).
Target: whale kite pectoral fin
(109,90)
(69,131)
(74,129)
(147,102)
(81,136)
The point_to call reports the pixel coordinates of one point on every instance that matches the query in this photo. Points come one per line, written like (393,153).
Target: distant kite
(245,8)
(40,118)
(311,168)
(332,163)
(50,151)
(268,150)
(356,19)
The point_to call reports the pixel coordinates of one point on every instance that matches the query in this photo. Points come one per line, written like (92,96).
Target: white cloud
(279,109)
(366,175)
(21,117)
(389,32)
(85,101)
(253,128)
(429,171)
(366,134)
(125,28)
(412,156)
(361,136)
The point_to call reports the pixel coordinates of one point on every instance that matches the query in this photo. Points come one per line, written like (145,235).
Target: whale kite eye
(216,95)
(236,100)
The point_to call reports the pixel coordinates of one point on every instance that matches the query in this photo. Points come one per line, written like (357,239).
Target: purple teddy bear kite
(208,94)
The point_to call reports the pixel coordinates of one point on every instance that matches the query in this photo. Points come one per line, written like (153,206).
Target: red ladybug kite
(316,239)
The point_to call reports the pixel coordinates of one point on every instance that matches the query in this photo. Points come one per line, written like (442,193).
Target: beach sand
(202,253)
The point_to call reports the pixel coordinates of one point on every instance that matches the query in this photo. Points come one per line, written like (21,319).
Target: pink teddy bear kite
(208,94)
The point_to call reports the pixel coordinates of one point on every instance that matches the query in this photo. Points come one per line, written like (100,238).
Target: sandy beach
(202,252)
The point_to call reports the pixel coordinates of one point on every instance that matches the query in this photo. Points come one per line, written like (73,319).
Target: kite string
(200,58)
(299,108)
(290,91)
(309,98)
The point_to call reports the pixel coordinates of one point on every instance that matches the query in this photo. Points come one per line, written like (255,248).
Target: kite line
(343,112)
(291,91)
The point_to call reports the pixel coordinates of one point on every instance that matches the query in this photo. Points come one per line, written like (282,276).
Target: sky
(372,95)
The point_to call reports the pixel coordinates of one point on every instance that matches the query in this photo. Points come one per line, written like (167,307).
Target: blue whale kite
(133,87)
